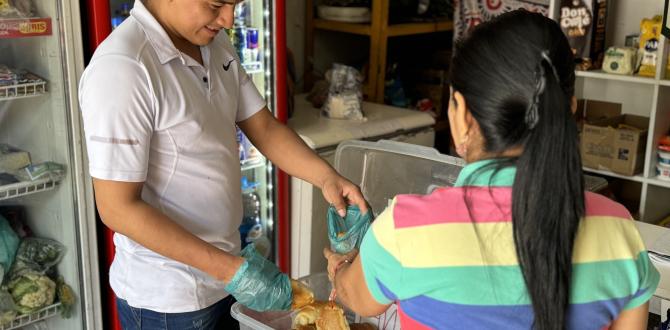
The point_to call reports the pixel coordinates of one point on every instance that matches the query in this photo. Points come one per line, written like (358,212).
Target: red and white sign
(25,27)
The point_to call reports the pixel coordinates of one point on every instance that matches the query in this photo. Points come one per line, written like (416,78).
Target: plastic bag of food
(32,291)
(347,233)
(344,99)
(9,243)
(7,308)
(38,254)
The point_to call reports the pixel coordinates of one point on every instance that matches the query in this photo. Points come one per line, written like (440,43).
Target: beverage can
(240,40)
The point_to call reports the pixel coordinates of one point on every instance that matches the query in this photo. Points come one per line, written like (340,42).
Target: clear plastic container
(250,319)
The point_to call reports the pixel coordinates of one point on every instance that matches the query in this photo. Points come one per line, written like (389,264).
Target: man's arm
(284,148)
(123,211)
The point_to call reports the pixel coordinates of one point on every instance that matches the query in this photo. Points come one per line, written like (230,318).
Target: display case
(45,184)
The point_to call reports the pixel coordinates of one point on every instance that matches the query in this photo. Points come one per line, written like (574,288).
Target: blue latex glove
(259,284)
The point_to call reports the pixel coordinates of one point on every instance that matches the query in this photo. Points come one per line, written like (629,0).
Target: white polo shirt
(152,114)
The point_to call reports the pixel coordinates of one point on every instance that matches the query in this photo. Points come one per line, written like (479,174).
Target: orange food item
(302,295)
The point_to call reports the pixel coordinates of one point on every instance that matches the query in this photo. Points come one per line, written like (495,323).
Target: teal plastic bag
(347,233)
(9,243)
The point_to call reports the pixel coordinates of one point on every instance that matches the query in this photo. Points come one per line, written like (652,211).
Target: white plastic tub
(250,319)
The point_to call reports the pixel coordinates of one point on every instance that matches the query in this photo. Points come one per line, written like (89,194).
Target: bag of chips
(346,234)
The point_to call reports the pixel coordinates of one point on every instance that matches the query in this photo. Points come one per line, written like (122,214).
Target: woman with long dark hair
(516,243)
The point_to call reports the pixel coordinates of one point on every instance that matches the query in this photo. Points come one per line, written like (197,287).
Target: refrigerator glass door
(39,64)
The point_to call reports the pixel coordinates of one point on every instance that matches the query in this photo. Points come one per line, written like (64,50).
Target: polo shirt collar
(156,35)
(481,173)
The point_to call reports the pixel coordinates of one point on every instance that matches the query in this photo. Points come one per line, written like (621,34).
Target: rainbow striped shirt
(448,271)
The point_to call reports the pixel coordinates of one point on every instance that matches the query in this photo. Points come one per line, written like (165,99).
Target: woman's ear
(463,118)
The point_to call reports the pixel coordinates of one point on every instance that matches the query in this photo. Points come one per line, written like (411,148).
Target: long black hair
(517,75)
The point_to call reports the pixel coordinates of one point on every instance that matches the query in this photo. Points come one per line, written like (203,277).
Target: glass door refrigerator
(47,222)
(259,39)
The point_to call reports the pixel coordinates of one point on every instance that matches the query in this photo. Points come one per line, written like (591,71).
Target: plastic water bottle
(251,206)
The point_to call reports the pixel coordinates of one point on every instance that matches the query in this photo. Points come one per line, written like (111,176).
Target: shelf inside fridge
(11,28)
(24,188)
(27,319)
(19,91)
(253,67)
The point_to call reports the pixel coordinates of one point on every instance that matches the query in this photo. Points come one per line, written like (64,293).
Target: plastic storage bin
(250,319)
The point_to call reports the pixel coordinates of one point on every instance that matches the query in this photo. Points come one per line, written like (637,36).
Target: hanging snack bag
(347,233)
(650,34)
(583,22)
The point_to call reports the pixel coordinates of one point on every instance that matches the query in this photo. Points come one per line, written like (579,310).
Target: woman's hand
(339,192)
(336,260)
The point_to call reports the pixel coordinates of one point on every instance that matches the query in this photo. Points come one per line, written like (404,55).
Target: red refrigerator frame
(98,22)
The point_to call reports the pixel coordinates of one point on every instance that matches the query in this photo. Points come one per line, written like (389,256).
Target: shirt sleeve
(648,281)
(378,252)
(117,105)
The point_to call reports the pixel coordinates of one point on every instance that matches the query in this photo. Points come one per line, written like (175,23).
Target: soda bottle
(251,207)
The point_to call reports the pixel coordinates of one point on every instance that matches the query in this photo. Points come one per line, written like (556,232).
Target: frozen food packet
(42,170)
(346,234)
(39,253)
(7,308)
(9,243)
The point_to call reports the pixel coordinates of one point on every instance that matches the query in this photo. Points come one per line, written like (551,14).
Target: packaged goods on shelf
(17,8)
(12,158)
(584,23)
(650,34)
(612,141)
(620,60)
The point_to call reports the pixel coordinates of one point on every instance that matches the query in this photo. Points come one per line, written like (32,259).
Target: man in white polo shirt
(160,100)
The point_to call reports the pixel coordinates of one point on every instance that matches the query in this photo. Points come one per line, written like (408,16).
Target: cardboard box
(612,141)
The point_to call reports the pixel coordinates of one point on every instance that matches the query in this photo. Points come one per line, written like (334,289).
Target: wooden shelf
(354,28)
(419,28)
(599,74)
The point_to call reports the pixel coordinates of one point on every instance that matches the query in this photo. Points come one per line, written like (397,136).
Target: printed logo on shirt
(227,66)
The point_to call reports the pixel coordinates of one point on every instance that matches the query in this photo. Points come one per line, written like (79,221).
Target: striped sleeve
(649,278)
(380,266)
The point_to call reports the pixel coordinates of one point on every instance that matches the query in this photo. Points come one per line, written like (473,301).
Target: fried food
(324,315)
(302,295)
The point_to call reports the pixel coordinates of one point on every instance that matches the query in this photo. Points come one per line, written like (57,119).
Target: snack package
(650,34)
(620,60)
(347,233)
(345,98)
(583,22)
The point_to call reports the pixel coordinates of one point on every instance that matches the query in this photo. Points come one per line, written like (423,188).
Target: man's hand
(339,192)
(259,285)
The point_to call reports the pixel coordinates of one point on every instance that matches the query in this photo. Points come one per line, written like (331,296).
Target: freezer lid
(384,169)
(382,120)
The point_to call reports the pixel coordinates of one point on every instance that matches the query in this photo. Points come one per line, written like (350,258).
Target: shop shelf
(599,74)
(253,67)
(636,178)
(659,182)
(25,27)
(23,90)
(27,319)
(665,82)
(24,188)
(419,28)
(354,28)
(251,164)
